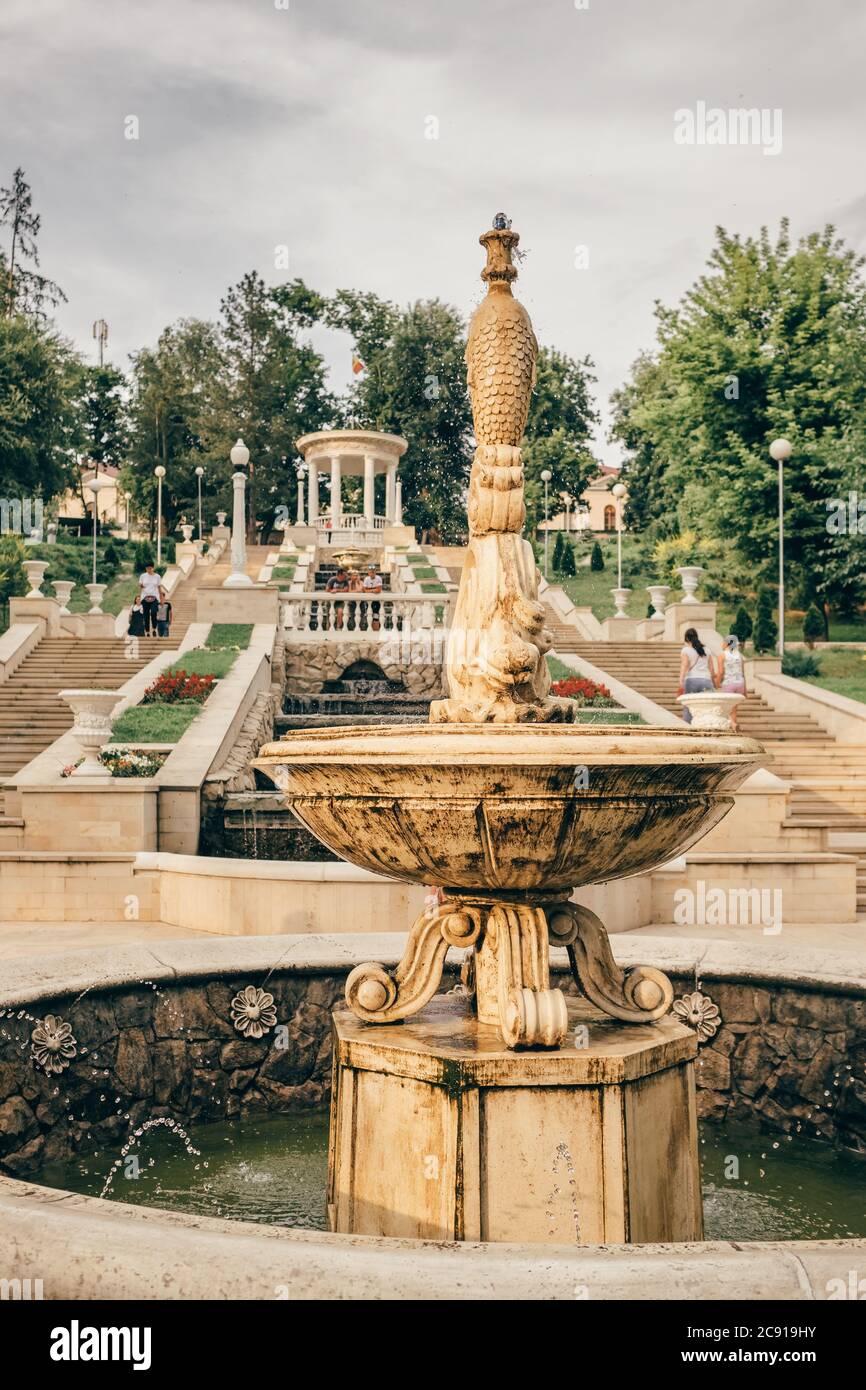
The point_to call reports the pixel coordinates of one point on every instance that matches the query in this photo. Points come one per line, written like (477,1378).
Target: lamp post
(780,450)
(127,496)
(97,482)
(619,491)
(159,473)
(300,470)
(199,473)
(546,476)
(239,579)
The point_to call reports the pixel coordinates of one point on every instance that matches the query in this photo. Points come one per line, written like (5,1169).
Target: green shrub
(813,626)
(596,559)
(801,664)
(229,635)
(766,627)
(742,625)
(556,559)
(568,567)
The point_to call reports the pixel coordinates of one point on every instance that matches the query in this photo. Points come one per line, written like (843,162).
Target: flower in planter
(52,1044)
(171,687)
(583,690)
(698,1011)
(253,1012)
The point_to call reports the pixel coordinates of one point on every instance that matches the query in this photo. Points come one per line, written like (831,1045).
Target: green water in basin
(272,1169)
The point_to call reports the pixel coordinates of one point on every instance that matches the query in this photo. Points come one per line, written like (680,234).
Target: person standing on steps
(149,588)
(163,615)
(730,671)
(136,619)
(695,672)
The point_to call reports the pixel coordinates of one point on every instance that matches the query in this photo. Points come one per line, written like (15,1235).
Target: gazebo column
(336,491)
(313,495)
(398,502)
(391,493)
(369,491)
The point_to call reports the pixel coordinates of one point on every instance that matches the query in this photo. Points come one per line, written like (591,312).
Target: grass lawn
(202,662)
(154,723)
(230,635)
(591,588)
(843,670)
(558,669)
(119,595)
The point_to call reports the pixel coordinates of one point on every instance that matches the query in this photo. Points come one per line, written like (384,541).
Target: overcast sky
(307,127)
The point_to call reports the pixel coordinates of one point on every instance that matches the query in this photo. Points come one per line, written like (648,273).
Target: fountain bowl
(505,808)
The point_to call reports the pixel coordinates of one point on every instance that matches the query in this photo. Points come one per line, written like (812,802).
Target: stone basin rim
(508,744)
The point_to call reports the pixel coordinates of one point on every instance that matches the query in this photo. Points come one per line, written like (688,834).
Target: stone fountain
(505,1110)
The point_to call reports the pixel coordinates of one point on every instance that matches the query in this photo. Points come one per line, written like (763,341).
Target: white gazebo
(351,454)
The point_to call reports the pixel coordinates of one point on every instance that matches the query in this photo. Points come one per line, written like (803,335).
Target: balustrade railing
(379,616)
(351,521)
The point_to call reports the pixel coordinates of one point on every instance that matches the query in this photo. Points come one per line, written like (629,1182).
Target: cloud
(306,127)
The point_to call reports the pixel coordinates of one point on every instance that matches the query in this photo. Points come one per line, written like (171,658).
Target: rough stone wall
(785,1057)
(160,1052)
(417,664)
(235,774)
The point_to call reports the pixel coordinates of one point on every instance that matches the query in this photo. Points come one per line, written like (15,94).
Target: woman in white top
(695,670)
(730,672)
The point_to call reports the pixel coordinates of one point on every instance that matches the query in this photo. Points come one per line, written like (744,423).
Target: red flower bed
(173,687)
(582,689)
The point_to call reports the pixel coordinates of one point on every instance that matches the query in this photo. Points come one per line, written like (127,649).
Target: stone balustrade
(333,616)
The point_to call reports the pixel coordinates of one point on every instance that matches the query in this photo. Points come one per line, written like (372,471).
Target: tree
(13,580)
(38,424)
(770,341)
(596,559)
(24,290)
(742,625)
(560,423)
(568,565)
(177,412)
(766,628)
(813,626)
(413,383)
(274,384)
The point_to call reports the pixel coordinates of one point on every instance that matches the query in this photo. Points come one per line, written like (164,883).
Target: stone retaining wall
(783,1056)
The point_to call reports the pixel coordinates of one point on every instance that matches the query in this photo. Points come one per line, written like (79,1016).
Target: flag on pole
(357,364)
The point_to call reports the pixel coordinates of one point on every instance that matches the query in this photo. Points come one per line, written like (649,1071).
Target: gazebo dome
(353,454)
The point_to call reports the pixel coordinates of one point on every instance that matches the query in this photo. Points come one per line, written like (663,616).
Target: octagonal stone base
(439,1132)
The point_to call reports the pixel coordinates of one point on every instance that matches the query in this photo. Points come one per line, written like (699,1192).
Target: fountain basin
(508,807)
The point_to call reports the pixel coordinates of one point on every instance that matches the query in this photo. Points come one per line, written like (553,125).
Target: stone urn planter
(35,571)
(711,709)
(96,592)
(91,727)
(690,576)
(620,598)
(62,590)
(221,518)
(658,598)
(187,533)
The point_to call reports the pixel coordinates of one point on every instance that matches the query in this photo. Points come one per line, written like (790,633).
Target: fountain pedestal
(441,1132)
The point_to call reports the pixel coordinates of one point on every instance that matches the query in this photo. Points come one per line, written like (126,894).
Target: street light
(239,579)
(96,484)
(300,470)
(780,450)
(199,473)
(546,476)
(619,491)
(127,498)
(159,473)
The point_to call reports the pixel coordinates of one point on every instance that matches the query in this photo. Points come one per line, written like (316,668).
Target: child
(136,619)
(163,615)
